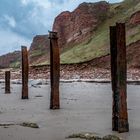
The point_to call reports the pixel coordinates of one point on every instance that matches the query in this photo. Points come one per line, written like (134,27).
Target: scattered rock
(6,125)
(87,136)
(38,96)
(24,124)
(111,137)
(18,82)
(31,125)
(35,86)
(92,136)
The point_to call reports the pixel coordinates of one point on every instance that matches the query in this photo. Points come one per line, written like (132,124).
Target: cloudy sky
(21,20)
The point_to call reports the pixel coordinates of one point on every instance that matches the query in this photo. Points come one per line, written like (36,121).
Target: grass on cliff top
(15,64)
(98,45)
(87,50)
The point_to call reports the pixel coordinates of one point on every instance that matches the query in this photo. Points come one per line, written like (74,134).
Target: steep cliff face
(39,50)
(84,33)
(77,26)
(10,60)
(135,18)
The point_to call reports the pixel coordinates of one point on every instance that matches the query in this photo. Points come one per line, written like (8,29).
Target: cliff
(10,60)
(39,49)
(84,33)
(75,27)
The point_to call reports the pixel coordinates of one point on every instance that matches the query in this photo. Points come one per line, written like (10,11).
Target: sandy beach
(85,107)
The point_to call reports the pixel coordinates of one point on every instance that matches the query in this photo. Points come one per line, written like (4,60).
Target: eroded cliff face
(83,32)
(77,26)
(39,50)
(72,27)
(135,18)
(10,60)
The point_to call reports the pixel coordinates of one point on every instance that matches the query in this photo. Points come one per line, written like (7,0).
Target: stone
(111,137)
(93,136)
(28,124)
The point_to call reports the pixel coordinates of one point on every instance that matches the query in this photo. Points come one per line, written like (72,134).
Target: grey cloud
(22,21)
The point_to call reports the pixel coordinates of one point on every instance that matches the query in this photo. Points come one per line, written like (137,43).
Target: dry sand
(85,107)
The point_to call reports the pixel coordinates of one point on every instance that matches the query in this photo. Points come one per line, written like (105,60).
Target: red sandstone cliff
(10,59)
(74,27)
(135,18)
(39,50)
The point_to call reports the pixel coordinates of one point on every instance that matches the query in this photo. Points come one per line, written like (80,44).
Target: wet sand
(85,107)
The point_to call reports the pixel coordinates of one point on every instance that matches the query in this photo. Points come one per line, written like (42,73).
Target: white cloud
(11,41)
(42,3)
(24,2)
(21,20)
(11,21)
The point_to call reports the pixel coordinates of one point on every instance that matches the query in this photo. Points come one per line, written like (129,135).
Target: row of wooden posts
(55,72)
(118,74)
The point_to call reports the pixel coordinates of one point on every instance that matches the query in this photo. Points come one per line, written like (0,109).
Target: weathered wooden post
(54,71)
(7,82)
(113,50)
(25,69)
(123,125)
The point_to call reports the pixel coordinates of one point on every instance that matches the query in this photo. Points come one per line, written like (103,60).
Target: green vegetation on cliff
(98,45)
(94,45)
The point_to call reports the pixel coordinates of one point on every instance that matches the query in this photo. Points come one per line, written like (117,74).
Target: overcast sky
(21,20)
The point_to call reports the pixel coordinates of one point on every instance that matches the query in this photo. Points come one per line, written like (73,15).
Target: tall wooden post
(113,50)
(54,71)
(25,69)
(7,82)
(123,125)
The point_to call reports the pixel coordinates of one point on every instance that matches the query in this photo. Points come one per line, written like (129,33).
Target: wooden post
(54,71)
(7,82)
(123,125)
(25,69)
(113,50)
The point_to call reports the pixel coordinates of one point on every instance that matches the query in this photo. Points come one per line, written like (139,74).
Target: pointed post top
(120,24)
(53,35)
(23,47)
